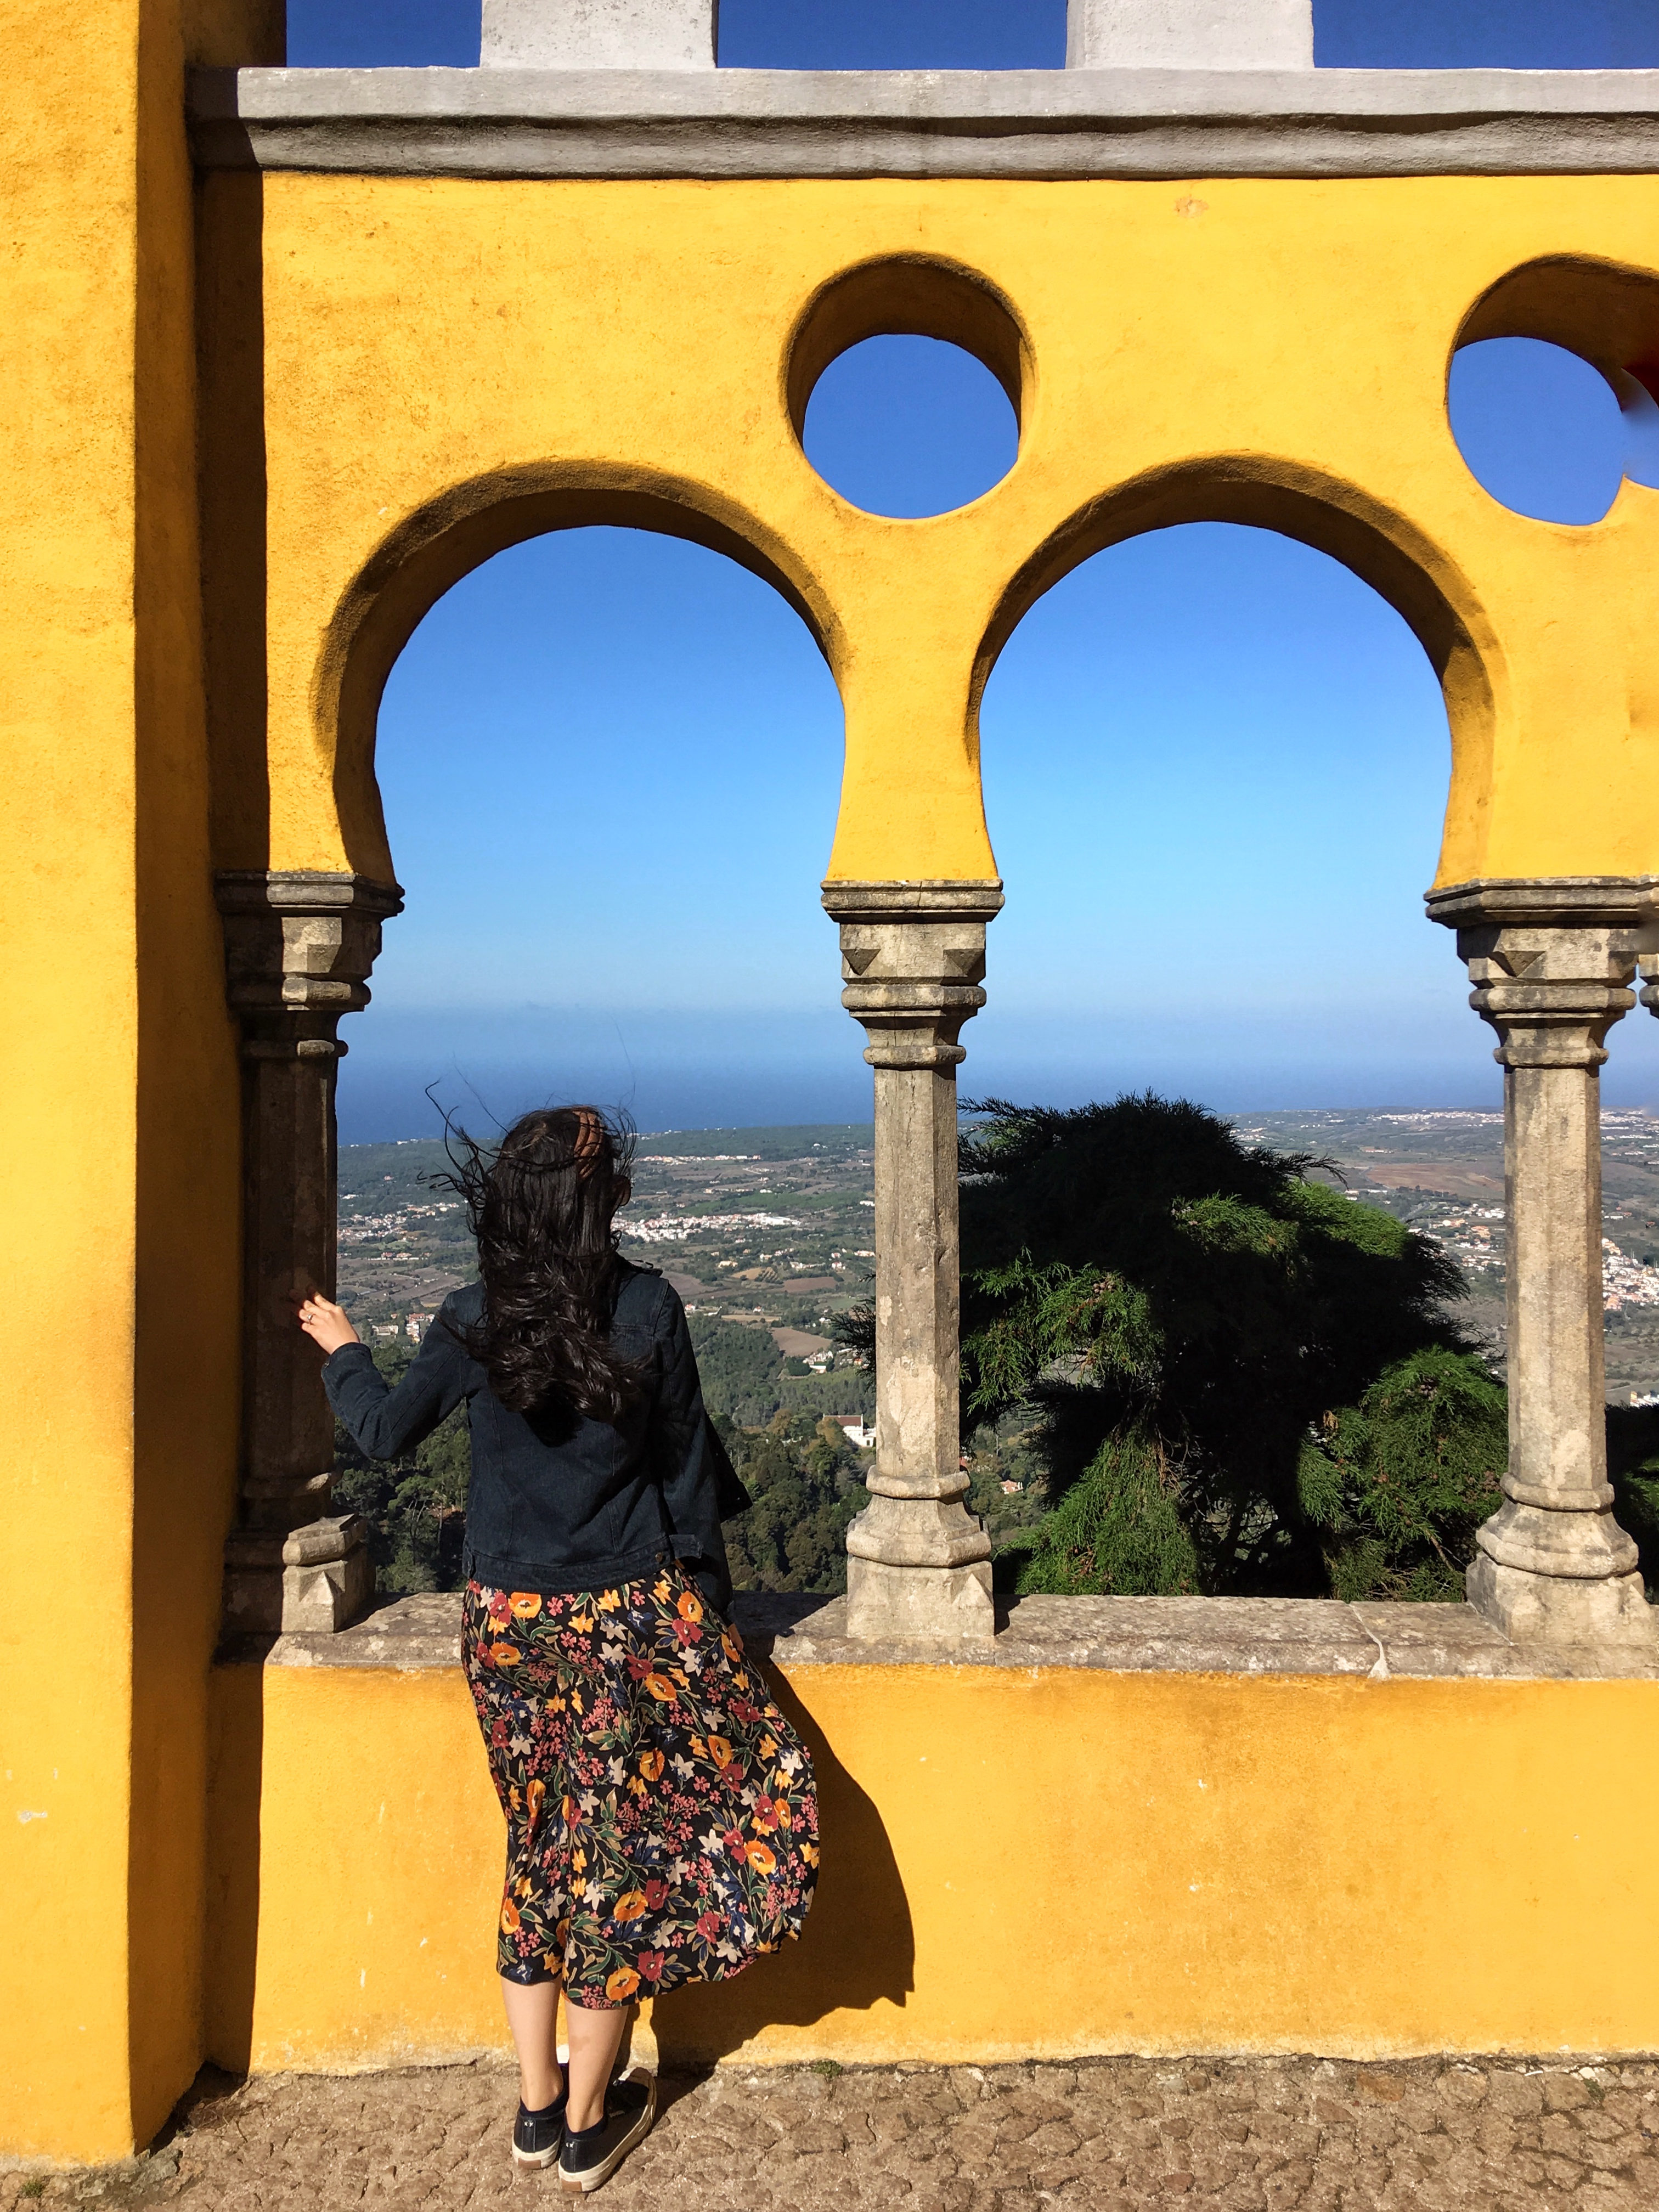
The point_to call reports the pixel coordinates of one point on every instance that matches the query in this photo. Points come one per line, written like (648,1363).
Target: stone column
(913,955)
(1551,962)
(298,948)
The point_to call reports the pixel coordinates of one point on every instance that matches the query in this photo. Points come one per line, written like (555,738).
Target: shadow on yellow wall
(355,1875)
(859,1945)
(235,1769)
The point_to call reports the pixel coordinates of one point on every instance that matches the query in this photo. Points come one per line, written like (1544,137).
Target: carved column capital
(299,947)
(1551,960)
(912,960)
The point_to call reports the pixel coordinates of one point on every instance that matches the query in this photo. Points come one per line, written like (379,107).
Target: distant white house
(860,1437)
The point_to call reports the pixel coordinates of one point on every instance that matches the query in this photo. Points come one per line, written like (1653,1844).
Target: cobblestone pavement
(1107,2133)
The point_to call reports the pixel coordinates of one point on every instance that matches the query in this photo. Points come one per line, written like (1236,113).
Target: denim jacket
(557,1502)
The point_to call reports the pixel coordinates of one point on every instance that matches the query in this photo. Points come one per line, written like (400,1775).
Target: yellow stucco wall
(450,365)
(1015,1864)
(399,377)
(119,1102)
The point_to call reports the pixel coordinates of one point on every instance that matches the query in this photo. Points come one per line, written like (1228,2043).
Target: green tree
(1633,1471)
(1244,1380)
(804,1480)
(741,1369)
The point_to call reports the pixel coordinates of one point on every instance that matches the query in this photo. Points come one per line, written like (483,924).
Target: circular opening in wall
(1544,432)
(1554,388)
(907,426)
(904,381)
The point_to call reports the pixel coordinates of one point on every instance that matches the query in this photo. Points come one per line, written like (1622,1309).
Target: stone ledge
(1078,122)
(1115,1635)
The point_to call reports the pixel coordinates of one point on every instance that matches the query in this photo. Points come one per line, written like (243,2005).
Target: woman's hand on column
(325,1323)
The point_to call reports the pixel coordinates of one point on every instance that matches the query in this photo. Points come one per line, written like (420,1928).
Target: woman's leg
(595,2039)
(533,2014)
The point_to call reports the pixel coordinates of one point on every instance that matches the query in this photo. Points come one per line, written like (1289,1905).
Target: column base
(887,1604)
(917,1532)
(1560,1608)
(1560,1543)
(316,1579)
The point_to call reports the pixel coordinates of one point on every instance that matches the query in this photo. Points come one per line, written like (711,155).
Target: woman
(661,1822)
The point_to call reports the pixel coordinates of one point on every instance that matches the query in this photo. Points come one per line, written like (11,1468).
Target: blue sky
(1215,763)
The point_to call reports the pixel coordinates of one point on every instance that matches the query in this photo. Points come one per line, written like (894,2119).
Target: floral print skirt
(661,1825)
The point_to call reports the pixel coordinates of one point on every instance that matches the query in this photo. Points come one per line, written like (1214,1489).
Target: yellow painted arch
(1266,352)
(1383,548)
(457,532)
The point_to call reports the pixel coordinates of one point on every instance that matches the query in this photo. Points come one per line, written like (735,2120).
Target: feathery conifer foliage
(1248,1383)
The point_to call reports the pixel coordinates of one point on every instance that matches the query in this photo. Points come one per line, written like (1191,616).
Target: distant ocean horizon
(682,1069)
(389,1104)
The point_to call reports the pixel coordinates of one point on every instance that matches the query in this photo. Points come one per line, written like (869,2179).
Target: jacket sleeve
(683,1452)
(384,1422)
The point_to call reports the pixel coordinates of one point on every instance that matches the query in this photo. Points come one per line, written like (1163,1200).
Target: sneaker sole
(540,2159)
(578,2184)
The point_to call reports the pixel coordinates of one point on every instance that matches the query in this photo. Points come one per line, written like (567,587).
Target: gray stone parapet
(1074,122)
(1551,961)
(1226,1636)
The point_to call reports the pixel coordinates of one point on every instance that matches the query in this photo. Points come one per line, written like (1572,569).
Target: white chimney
(1174,34)
(592,34)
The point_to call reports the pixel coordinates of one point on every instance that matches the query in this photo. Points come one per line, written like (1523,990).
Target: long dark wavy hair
(542,1208)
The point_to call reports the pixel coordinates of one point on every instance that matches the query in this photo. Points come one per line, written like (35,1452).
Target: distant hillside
(834,1139)
(377,1176)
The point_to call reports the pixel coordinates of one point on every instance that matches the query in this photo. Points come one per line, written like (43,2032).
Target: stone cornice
(304,890)
(1546,901)
(716,124)
(920,898)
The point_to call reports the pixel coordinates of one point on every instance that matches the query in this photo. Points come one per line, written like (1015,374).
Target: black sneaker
(538,2137)
(591,2157)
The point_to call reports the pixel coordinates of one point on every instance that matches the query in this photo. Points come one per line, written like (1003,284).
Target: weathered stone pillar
(1551,962)
(298,950)
(912,958)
